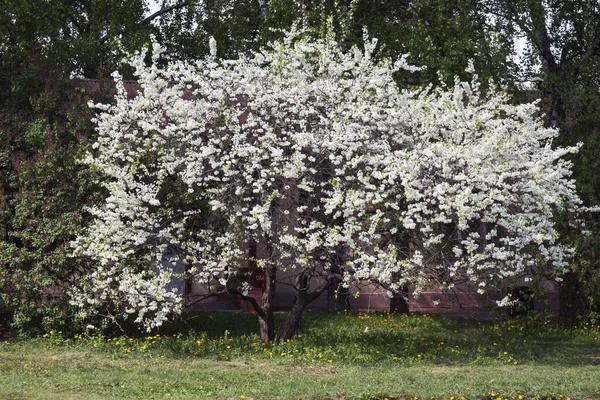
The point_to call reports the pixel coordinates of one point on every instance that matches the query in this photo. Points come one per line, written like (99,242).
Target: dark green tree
(441,35)
(562,63)
(44,124)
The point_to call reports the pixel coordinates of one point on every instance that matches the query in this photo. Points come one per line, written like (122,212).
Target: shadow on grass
(383,337)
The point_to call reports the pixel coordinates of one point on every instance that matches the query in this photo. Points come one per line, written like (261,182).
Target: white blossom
(310,151)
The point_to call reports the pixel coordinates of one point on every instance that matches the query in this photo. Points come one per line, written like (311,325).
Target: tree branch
(264,8)
(163,10)
(318,291)
(150,18)
(259,310)
(204,297)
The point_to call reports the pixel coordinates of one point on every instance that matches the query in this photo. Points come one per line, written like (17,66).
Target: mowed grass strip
(344,355)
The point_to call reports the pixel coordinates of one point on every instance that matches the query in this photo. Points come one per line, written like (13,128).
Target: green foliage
(42,192)
(441,35)
(78,37)
(44,126)
(42,200)
(561,61)
(235,25)
(580,289)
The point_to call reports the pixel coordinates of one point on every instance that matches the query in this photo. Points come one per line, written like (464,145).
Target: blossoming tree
(312,158)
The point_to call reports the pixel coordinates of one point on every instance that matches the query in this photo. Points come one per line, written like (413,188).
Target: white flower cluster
(306,150)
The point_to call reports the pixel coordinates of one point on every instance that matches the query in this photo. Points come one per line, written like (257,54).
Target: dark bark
(266,320)
(292,325)
(266,317)
(399,303)
(264,309)
(163,11)
(150,18)
(301,301)
(338,297)
(198,299)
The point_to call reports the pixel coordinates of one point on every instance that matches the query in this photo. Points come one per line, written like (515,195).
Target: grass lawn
(344,355)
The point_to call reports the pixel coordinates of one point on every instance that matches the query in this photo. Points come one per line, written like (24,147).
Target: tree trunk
(338,296)
(302,300)
(292,325)
(399,303)
(267,319)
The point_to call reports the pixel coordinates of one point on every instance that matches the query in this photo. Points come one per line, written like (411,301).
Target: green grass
(345,355)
